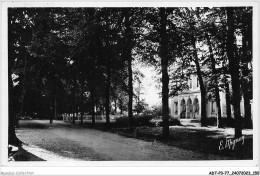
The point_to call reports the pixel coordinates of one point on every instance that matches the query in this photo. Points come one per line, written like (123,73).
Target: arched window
(196,105)
(176,107)
(212,104)
(183,109)
(189,105)
(189,109)
(213,108)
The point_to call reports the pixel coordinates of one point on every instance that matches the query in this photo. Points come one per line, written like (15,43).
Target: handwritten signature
(230,143)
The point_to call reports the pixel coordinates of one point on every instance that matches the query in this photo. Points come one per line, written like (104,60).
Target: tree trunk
(246,58)
(51,109)
(12,138)
(92,98)
(130,95)
(247,106)
(216,88)
(55,108)
(108,94)
(120,107)
(164,69)
(81,100)
(115,106)
(234,71)
(103,111)
(74,100)
(228,104)
(202,86)
(23,90)
(220,121)
(129,67)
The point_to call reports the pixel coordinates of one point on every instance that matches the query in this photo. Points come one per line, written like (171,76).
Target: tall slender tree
(128,55)
(215,81)
(164,68)
(234,70)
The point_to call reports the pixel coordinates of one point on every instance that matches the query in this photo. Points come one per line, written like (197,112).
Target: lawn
(203,139)
(195,138)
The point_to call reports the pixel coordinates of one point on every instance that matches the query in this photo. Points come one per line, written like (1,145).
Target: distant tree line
(81,59)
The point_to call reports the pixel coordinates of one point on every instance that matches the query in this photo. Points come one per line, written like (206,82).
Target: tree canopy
(71,60)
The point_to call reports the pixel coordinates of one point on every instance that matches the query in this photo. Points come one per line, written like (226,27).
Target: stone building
(187,105)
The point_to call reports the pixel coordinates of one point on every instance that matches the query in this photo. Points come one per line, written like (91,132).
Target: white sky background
(150,90)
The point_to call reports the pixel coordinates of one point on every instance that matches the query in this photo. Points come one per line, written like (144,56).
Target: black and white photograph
(120,84)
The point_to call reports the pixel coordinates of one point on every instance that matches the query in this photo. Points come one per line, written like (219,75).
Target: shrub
(139,120)
(157,110)
(173,122)
(145,120)
(122,121)
(212,121)
(158,122)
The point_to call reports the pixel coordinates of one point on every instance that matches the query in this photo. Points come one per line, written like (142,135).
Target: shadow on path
(23,155)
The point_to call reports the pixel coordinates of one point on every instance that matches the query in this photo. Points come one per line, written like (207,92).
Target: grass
(206,140)
(200,139)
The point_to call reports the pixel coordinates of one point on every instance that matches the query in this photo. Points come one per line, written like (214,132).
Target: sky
(150,91)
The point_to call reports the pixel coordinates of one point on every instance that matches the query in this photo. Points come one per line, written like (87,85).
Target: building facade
(187,105)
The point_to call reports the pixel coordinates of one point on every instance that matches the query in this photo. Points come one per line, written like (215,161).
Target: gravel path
(62,141)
